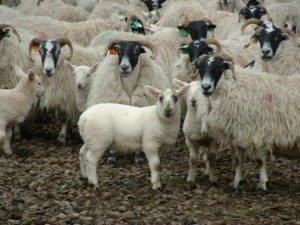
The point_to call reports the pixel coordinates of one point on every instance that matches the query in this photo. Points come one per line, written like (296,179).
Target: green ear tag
(7,35)
(184,51)
(183,33)
(210,29)
(136,25)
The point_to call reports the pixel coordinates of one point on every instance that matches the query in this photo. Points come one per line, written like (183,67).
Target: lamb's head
(134,24)
(269,37)
(252,12)
(32,77)
(6,29)
(49,51)
(82,74)
(193,93)
(128,53)
(211,69)
(168,100)
(197,29)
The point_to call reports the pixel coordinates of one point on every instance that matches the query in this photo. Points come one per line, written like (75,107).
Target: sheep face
(129,52)
(225,2)
(197,29)
(211,70)
(269,39)
(290,24)
(252,3)
(40,89)
(82,76)
(168,100)
(196,49)
(252,12)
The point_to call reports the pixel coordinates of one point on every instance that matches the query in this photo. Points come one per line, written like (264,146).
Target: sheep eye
(285,25)
(88,75)
(161,98)
(175,98)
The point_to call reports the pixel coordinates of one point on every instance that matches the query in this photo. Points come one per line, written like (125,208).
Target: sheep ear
(70,65)
(182,91)
(31,75)
(94,67)
(152,91)
(179,83)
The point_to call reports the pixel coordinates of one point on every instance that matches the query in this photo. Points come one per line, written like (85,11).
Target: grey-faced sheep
(126,129)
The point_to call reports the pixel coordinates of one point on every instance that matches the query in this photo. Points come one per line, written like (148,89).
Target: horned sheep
(150,129)
(16,104)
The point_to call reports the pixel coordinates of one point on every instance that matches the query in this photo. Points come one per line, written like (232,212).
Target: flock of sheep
(113,65)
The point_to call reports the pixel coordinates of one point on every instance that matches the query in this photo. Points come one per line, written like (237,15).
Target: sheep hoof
(139,158)
(85,179)
(156,186)
(62,139)
(261,191)
(8,151)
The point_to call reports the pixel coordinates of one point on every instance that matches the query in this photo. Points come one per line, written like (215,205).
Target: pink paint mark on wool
(269,99)
(42,35)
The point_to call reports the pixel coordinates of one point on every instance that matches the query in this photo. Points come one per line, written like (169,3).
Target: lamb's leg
(154,162)
(92,157)
(139,158)
(7,139)
(194,152)
(17,131)
(63,132)
(112,157)
(3,135)
(263,176)
(205,159)
(238,177)
(212,159)
(82,158)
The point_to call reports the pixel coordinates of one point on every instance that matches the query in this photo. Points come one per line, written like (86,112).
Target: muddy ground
(40,184)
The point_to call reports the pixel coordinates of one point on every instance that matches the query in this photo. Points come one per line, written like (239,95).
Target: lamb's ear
(179,83)
(31,75)
(94,67)
(70,65)
(152,91)
(182,91)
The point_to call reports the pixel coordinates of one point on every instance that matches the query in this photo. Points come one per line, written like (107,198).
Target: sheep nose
(168,112)
(206,87)
(124,67)
(79,86)
(48,71)
(265,51)
(193,102)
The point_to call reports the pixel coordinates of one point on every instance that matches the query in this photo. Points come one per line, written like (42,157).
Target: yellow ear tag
(35,48)
(113,51)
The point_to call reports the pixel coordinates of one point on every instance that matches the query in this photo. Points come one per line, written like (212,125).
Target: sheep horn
(110,45)
(213,41)
(291,33)
(15,32)
(247,23)
(34,41)
(150,46)
(185,23)
(241,17)
(207,20)
(201,57)
(229,59)
(267,12)
(39,2)
(66,41)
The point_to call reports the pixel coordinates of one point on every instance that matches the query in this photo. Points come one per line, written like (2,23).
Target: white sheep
(16,104)
(127,129)
(83,77)
(254,112)
(195,131)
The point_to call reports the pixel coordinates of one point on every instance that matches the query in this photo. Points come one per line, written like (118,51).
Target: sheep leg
(82,158)
(3,137)
(263,176)
(211,161)
(112,157)
(194,152)
(17,132)
(154,162)
(139,158)
(63,132)
(7,139)
(92,158)
(205,159)
(238,177)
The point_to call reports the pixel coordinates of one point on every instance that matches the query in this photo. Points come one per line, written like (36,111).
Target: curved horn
(185,23)
(292,34)
(231,67)
(247,23)
(207,20)
(66,41)
(212,41)
(15,32)
(263,7)
(151,46)
(34,41)
(110,45)
(201,57)
(39,2)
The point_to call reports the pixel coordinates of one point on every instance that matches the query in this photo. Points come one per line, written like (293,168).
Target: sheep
(16,104)
(148,128)
(55,9)
(230,5)
(195,132)
(255,112)
(88,5)
(83,76)
(58,79)
(276,56)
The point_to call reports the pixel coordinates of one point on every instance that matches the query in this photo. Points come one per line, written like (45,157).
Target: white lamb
(127,129)
(83,77)
(16,104)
